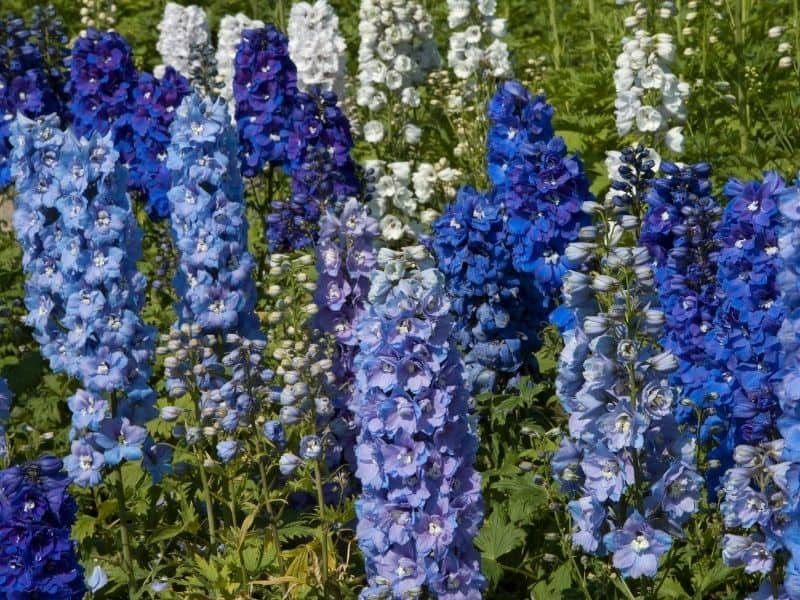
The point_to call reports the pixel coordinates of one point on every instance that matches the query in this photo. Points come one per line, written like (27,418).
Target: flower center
(640,543)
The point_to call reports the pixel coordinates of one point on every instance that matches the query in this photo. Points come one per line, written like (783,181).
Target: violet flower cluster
(81,243)
(421,504)
(321,170)
(679,232)
(37,556)
(214,280)
(503,251)
(102,78)
(264,87)
(144,149)
(745,363)
(541,186)
(787,389)
(499,312)
(743,349)
(626,459)
(108,94)
(345,260)
(31,74)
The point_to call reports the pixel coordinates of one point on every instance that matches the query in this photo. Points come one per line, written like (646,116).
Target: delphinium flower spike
(31,74)
(322,172)
(264,86)
(742,346)
(102,78)
(626,459)
(84,295)
(745,360)
(317,47)
(679,232)
(153,105)
(37,557)
(499,312)
(540,185)
(650,98)
(215,287)
(228,38)
(345,259)
(478,48)
(421,503)
(396,52)
(182,31)
(503,251)
(787,388)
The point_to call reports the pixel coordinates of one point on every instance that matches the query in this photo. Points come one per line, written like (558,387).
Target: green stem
(212,523)
(323,524)
(119,489)
(566,550)
(551,5)
(591,32)
(740,20)
(273,526)
(232,503)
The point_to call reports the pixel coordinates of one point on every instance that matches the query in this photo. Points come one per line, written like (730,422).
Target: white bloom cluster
(182,31)
(409,190)
(471,50)
(397,49)
(317,47)
(228,38)
(649,95)
(101,14)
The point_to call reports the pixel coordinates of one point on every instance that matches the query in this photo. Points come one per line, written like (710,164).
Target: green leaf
(561,579)
(83,527)
(165,533)
(498,536)
(672,589)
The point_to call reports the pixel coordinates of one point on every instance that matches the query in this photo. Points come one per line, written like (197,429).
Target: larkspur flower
(264,86)
(421,505)
(214,276)
(541,186)
(31,74)
(637,546)
(396,52)
(182,30)
(81,243)
(317,47)
(228,38)
(37,557)
(402,195)
(499,312)
(320,167)
(743,350)
(206,200)
(489,244)
(678,230)
(345,259)
(479,47)
(650,98)
(613,380)
(153,106)
(102,78)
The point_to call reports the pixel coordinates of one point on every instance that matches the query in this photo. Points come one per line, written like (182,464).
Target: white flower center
(640,543)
